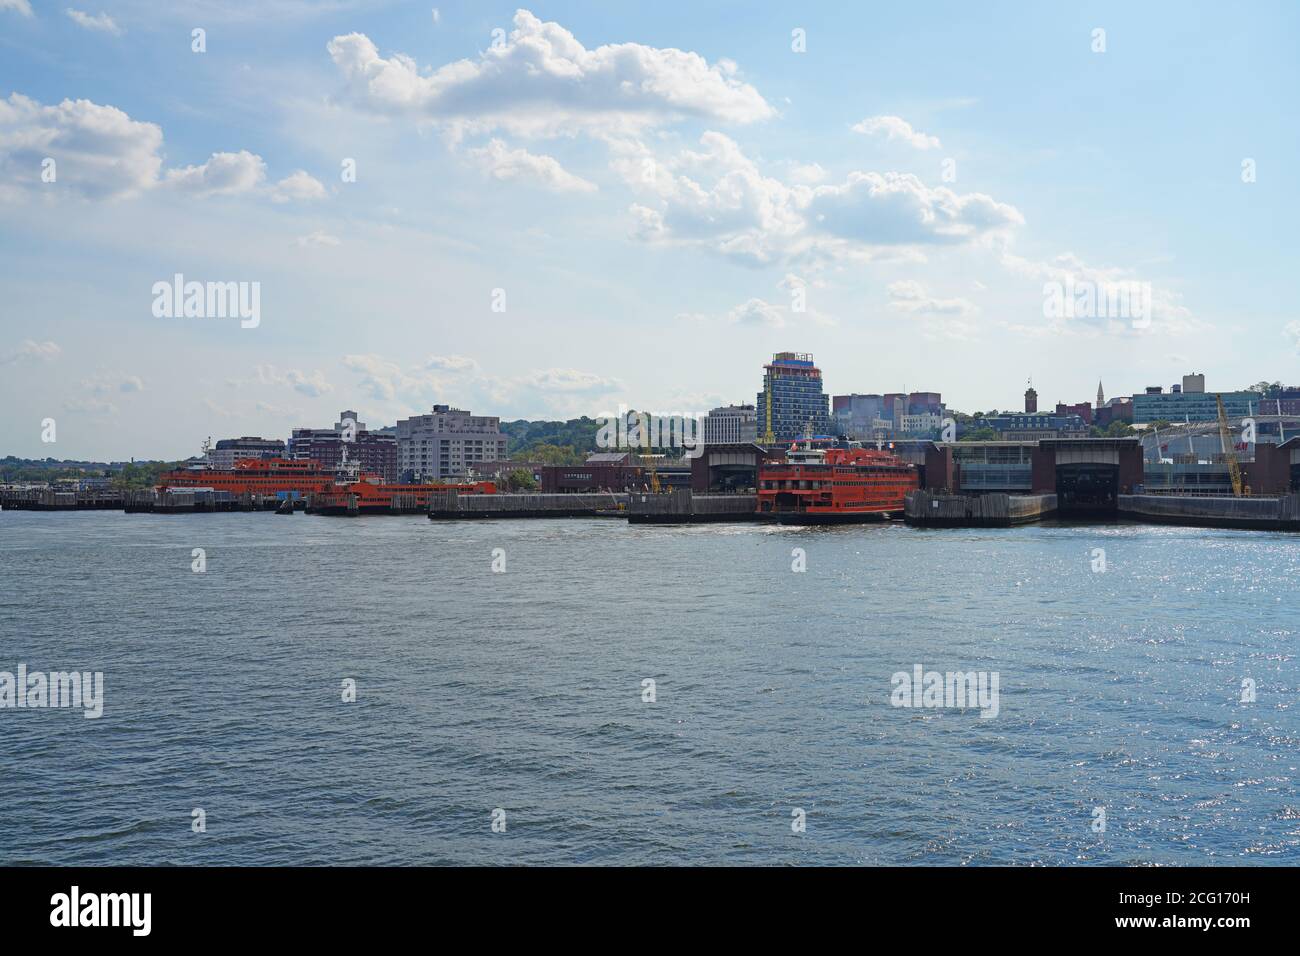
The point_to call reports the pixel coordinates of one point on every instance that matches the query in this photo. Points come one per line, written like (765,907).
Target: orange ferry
(254,476)
(833,486)
(289,478)
(374,496)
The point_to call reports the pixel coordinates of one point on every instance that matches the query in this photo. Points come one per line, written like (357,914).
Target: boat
(268,477)
(834,485)
(369,494)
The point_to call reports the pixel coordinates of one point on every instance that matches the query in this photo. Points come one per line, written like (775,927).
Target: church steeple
(1101,396)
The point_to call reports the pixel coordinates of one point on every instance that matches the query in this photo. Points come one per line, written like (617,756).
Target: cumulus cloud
(895,128)
(100,153)
(31,351)
(223,174)
(108,383)
(101,22)
(312,384)
(540,80)
(504,163)
(1292,332)
(569,380)
(940,318)
(451,363)
(1068,272)
(316,239)
(298,186)
(718,197)
(898,208)
(94,407)
(22,7)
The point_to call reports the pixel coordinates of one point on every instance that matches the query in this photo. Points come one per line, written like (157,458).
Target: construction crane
(654,473)
(768,437)
(1229,452)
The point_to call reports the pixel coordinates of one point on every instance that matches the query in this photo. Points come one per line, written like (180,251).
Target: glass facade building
(794,384)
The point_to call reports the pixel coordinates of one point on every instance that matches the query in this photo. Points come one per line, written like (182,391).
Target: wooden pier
(450,505)
(994,510)
(682,507)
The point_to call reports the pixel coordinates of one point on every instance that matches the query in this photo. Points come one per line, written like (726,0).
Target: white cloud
(91,406)
(437,17)
(1168,314)
(18,6)
(451,363)
(109,383)
(100,153)
(895,127)
(899,209)
(503,163)
(1292,331)
(569,380)
(719,198)
(807,174)
(940,318)
(223,174)
(298,186)
(101,23)
(31,351)
(312,384)
(542,81)
(317,238)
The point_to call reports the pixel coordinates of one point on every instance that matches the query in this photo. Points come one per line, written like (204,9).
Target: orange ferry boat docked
(834,486)
(288,478)
(370,495)
(268,477)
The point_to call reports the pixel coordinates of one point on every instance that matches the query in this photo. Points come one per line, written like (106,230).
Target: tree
(980,434)
(1119,430)
(521,479)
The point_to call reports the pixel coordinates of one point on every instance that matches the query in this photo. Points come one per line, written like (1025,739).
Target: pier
(684,507)
(994,510)
(450,505)
(1278,513)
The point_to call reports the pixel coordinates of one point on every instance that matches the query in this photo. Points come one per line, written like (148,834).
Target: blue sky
(654,187)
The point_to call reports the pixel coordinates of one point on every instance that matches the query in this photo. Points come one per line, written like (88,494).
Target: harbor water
(608,693)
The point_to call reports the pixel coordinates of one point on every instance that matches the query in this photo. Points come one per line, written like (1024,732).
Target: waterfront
(522,690)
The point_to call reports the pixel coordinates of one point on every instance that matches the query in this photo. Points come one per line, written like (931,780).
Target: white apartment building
(730,425)
(447,442)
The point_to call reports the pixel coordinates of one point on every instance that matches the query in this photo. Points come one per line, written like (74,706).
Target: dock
(682,507)
(450,505)
(1275,513)
(993,510)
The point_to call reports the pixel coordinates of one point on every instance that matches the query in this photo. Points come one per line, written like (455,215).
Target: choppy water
(523,691)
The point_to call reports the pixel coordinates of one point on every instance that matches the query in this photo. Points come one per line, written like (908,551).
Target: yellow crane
(768,437)
(1229,452)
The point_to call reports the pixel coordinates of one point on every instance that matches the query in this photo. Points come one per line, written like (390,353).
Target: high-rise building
(1157,406)
(447,443)
(731,425)
(792,401)
(860,416)
(230,450)
(374,452)
(1031,400)
(1194,382)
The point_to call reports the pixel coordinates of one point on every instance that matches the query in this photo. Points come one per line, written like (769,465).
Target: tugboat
(834,485)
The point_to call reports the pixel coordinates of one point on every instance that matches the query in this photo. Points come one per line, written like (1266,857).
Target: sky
(549,211)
